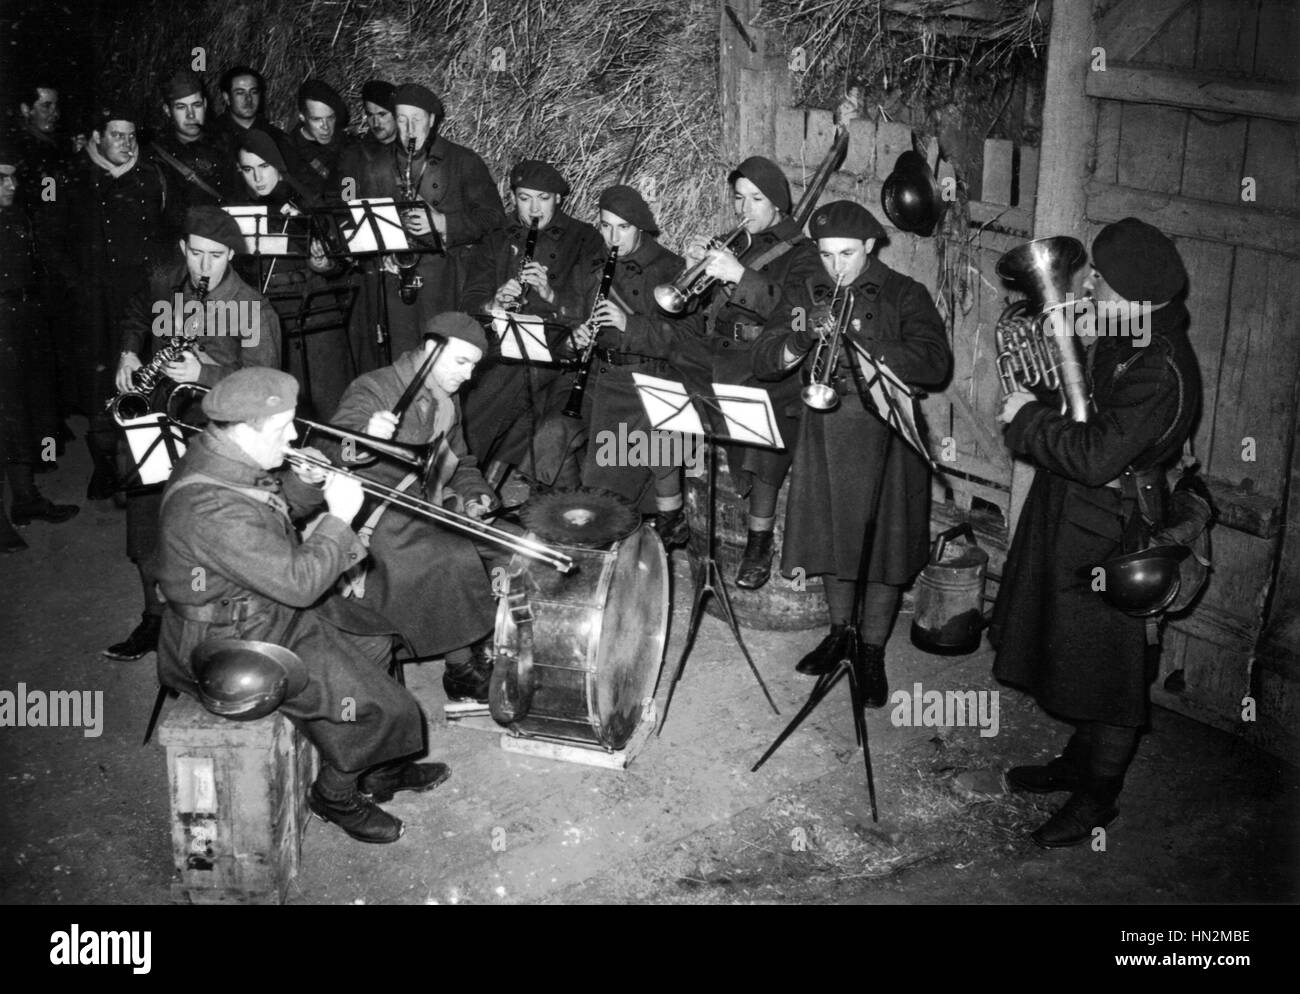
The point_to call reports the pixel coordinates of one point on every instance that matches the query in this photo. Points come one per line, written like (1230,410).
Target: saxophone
(139,401)
(409,278)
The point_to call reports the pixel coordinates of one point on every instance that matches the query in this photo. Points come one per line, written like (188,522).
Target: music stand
(748,416)
(880,391)
(150,456)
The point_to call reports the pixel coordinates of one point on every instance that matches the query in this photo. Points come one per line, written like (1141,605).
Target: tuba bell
(1030,354)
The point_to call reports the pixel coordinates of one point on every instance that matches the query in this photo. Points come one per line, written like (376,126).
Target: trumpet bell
(820,397)
(670,299)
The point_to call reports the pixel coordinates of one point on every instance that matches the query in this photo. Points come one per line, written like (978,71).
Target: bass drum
(577,656)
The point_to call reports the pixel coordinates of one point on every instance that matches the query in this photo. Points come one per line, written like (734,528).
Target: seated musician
(225,324)
(840,452)
(611,403)
(507,401)
(231,565)
(429,580)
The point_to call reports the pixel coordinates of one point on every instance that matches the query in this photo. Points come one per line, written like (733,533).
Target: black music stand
(166,444)
(880,391)
(673,399)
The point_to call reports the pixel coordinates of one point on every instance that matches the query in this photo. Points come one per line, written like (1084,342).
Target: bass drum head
(634,628)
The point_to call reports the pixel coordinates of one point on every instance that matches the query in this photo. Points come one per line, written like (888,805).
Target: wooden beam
(1240,225)
(739,48)
(975,10)
(1195,91)
(1131,25)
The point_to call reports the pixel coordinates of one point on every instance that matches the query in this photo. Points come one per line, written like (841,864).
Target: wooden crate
(238,802)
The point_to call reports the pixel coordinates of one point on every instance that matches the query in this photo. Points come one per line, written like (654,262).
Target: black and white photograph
(653,452)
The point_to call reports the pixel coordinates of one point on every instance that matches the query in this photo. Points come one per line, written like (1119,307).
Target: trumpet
(820,393)
(145,381)
(448,519)
(673,297)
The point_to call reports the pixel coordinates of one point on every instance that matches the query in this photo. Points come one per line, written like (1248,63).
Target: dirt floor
(1205,818)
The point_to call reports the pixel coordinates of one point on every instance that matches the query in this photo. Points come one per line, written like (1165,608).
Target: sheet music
(382,231)
(668,405)
(149,449)
(253,225)
(510,329)
(749,415)
(892,399)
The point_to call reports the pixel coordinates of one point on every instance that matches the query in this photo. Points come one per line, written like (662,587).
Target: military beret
(113,112)
(251,393)
(376,91)
(844,219)
(209,221)
(180,85)
(323,93)
(457,324)
(415,95)
(262,145)
(1138,261)
(630,206)
(768,177)
(532,174)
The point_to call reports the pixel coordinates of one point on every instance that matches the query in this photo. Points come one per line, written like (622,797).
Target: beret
(630,206)
(113,112)
(376,91)
(209,221)
(532,174)
(415,95)
(768,177)
(181,84)
(323,93)
(251,393)
(1138,261)
(262,145)
(457,324)
(844,219)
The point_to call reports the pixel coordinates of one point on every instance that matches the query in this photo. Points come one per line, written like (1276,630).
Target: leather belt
(1131,481)
(739,332)
(225,610)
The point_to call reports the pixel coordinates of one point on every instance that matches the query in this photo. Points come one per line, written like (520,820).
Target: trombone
(820,393)
(421,457)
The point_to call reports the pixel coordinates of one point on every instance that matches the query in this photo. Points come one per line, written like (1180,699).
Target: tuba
(1030,354)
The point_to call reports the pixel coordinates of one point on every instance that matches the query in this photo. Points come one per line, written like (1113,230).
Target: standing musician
(430,581)
(269,180)
(840,453)
(619,323)
(1100,490)
(224,328)
(227,519)
(506,401)
(460,203)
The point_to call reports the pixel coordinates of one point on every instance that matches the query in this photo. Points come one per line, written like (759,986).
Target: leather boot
(42,509)
(828,652)
(357,815)
(673,528)
(869,668)
(1090,807)
(1060,773)
(142,640)
(756,562)
(382,782)
(470,680)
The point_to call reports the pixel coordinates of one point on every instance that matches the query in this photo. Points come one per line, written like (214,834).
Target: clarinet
(138,401)
(573,408)
(530,246)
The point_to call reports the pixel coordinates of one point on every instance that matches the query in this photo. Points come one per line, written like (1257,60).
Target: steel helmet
(911,195)
(1146,582)
(241,679)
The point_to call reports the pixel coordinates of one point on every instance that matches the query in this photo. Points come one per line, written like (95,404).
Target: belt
(225,610)
(1131,481)
(612,357)
(738,332)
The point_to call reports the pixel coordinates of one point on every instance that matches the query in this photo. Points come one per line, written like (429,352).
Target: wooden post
(734,54)
(1069,125)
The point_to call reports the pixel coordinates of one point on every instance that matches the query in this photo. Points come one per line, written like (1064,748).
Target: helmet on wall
(1146,582)
(241,679)
(911,195)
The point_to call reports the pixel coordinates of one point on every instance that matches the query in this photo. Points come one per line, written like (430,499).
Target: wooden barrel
(781,604)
